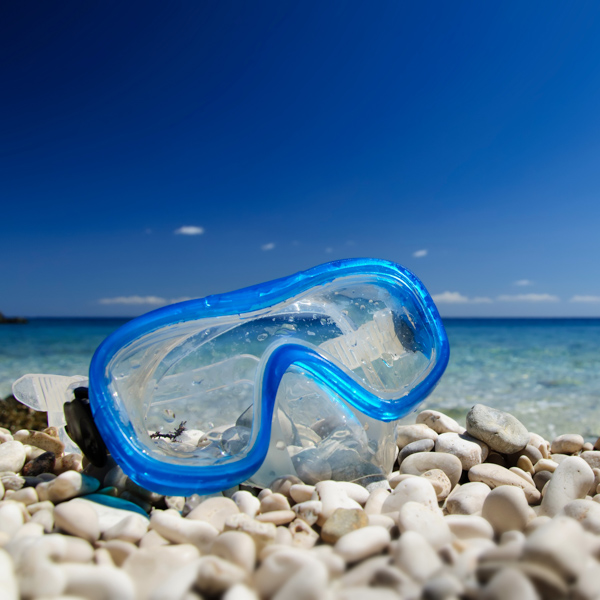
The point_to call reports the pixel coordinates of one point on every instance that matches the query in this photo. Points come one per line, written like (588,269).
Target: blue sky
(153,151)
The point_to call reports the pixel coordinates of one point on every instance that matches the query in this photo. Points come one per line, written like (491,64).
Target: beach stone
(509,583)
(132,529)
(236,547)
(246,503)
(506,508)
(499,430)
(152,539)
(119,550)
(150,567)
(354,491)
(592,458)
(569,443)
(45,518)
(414,489)
(302,493)
(440,482)
(279,567)
(309,511)
(375,502)
(175,502)
(417,464)
(282,485)
(571,481)
(343,521)
(215,511)
(40,440)
(333,497)
(523,474)
(413,555)
(541,479)
(469,526)
(532,453)
(308,583)
(283,536)
(11,516)
(12,456)
(430,524)
(559,545)
(12,481)
(469,450)
(362,543)
(66,486)
(425,445)
(26,496)
(585,512)
(69,462)
(263,534)
(494,476)
(78,519)
(382,520)
(303,535)
(277,517)
(8,582)
(545,464)
(178,585)
(467,499)
(439,422)
(274,502)
(178,530)
(44,463)
(406,434)
(586,587)
(525,465)
(215,575)
(443,586)
(239,591)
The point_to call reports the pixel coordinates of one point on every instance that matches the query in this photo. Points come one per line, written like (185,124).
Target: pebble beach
(486,509)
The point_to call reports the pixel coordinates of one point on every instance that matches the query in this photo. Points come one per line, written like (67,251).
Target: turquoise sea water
(544,371)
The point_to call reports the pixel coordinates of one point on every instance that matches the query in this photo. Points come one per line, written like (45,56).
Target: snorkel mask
(304,375)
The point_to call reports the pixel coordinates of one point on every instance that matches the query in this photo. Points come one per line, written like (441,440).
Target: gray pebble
(425,445)
(499,430)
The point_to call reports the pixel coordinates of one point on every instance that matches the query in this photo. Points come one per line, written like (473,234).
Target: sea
(546,372)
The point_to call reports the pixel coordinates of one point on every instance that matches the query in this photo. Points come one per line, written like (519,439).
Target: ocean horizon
(544,370)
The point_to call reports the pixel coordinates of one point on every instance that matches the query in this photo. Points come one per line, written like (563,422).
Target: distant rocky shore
(12,320)
(489,511)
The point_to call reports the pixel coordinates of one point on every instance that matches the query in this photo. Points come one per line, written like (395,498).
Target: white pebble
(308,583)
(215,575)
(333,497)
(280,566)
(11,516)
(274,502)
(8,583)
(236,547)
(586,512)
(362,543)
(375,502)
(469,526)
(77,519)
(569,443)
(506,508)
(414,489)
(66,486)
(12,456)
(239,591)
(509,584)
(247,503)
(98,582)
(439,422)
(130,529)
(178,583)
(406,434)
(309,511)
(277,517)
(183,531)
(469,450)
(214,511)
(430,524)
(414,555)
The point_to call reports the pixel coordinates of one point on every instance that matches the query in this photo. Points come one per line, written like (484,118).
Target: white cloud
(189,230)
(523,282)
(268,246)
(528,298)
(420,253)
(458,298)
(590,299)
(141,300)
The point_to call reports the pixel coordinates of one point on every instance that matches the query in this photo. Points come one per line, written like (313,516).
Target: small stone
(66,486)
(560,545)
(41,440)
(151,539)
(545,464)
(277,517)
(571,481)
(308,583)
(68,462)
(430,524)
(130,529)
(263,534)
(178,530)
(499,430)
(541,479)
(465,527)
(302,493)
(592,458)
(333,497)
(506,508)
(362,543)
(525,465)
(439,422)
(239,591)
(509,584)
(246,503)
(273,502)
(442,586)
(440,482)
(406,434)
(303,535)
(309,511)
(12,481)
(11,516)
(45,518)
(467,499)
(44,463)
(413,554)
(175,502)
(343,521)
(376,500)
(26,496)
(119,550)
(469,450)
(214,511)
(282,485)
(178,584)
(569,443)
(95,581)
(586,512)
(532,453)
(12,456)
(494,476)
(77,519)
(237,548)
(425,445)
(414,489)
(417,464)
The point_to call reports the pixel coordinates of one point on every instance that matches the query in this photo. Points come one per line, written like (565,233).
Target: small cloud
(523,282)
(458,298)
(329,249)
(420,253)
(189,230)
(588,299)
(528,298)
(268,246)
(142,300)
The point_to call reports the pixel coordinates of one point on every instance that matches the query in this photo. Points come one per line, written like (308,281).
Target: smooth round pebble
(431,525)
(362,543)
(439,422)
(236,547)
(467,499)
(469,450)
(569,443)
(506,508)
(495,476)
(79,519)
(406,434)
(413,489)
(12,456)
(500,430)
(440,482)
(417,464)
(509,583)
(425,445)
(469,526)
(342,522)
(214,511)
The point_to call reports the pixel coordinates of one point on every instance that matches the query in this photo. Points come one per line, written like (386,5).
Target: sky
(154,151)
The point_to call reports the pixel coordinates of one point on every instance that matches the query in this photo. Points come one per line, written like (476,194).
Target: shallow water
(544,371)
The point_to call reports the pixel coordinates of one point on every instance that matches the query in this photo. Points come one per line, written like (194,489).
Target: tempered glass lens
(191,390)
